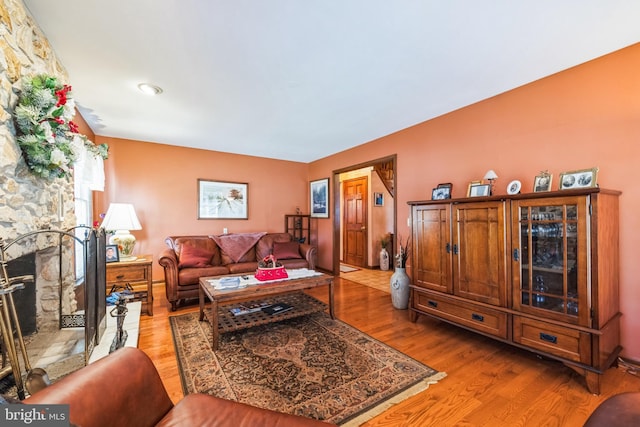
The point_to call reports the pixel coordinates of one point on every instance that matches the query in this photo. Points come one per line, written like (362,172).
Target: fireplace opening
(25,299)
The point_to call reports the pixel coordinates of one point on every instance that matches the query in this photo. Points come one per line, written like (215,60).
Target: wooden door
(432,247)
(355,221)
(480,260)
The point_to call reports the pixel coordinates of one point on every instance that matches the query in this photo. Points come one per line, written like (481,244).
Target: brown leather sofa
(124,389)
(188,258)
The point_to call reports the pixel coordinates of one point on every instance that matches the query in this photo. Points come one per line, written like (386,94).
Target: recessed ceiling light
(149,89)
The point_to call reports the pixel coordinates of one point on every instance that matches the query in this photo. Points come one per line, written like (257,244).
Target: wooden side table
(133,275)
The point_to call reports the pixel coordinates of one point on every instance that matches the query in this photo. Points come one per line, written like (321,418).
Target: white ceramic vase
(384,260)
(400,289)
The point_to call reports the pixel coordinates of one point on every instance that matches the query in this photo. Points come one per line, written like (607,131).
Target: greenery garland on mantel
(48,137)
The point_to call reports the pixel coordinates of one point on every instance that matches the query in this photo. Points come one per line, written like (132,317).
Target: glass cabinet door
(550,256)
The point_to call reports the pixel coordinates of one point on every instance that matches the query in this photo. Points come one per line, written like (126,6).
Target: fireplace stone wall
(29,203)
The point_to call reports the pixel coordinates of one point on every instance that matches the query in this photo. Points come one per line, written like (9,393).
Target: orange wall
(583,117)
(161,182)
(83,127)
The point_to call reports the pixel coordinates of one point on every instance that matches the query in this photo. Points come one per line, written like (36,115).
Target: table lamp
(491,176)
(121,218)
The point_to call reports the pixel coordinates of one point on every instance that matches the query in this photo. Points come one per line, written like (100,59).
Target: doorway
(354,226)
(364,211)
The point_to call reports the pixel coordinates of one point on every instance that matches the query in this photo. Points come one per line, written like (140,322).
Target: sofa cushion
(201,242)
(286,250)
(295,263)
(193,256)
(238,247)
(264,247)
(192,275)
(243,267)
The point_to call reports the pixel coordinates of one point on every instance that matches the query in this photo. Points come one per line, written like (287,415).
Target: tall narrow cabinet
(299,226)
(539,271)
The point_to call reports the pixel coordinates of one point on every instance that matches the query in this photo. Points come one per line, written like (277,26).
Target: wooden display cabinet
(539,271)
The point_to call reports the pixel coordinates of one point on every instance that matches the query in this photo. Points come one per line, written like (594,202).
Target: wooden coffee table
(286,291)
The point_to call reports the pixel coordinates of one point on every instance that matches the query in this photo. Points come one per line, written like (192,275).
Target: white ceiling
(301,80)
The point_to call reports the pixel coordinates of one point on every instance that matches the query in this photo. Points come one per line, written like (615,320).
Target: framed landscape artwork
(319,196)
(222,200)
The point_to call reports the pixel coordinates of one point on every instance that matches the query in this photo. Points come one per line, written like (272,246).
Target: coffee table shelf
(302,304)
(289,291)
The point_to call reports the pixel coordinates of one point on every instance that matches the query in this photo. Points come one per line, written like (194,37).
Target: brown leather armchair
(620,410)
(124,389)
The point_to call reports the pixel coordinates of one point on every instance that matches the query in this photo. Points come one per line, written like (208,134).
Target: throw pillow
(286,250)
(193,256)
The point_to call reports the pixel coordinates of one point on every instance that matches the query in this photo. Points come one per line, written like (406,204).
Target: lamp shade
(121,216)
(490,175)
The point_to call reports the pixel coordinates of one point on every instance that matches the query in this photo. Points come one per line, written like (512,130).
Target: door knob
(363,228)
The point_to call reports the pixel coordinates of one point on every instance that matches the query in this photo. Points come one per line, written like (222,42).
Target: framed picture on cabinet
(112,253)
(542,182)
(319,191)
(584,178)
(479,189)
(514,187)
(441,193)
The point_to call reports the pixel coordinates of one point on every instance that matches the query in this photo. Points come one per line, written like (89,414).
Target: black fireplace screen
(89,279)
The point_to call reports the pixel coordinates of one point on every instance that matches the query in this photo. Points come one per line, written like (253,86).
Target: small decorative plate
(514,187)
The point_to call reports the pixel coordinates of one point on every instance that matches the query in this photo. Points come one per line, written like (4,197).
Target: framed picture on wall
(378,199)
(222,200)
(319,198)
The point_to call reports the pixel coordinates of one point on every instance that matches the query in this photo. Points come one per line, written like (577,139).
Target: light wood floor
(488,383)
(376,279)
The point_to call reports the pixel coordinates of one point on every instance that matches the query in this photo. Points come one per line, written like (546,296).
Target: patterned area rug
(311,366)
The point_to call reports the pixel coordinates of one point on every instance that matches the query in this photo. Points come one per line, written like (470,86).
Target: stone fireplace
(29,204)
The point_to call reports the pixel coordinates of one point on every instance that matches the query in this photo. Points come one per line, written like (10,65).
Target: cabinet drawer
(126,274)
(485,320)
(557,340)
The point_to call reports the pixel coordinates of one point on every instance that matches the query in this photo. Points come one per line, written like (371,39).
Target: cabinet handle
(448,248)
(516,255)
(455,249)
(477,317)
(433,304)
(549,338)
(120,276)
